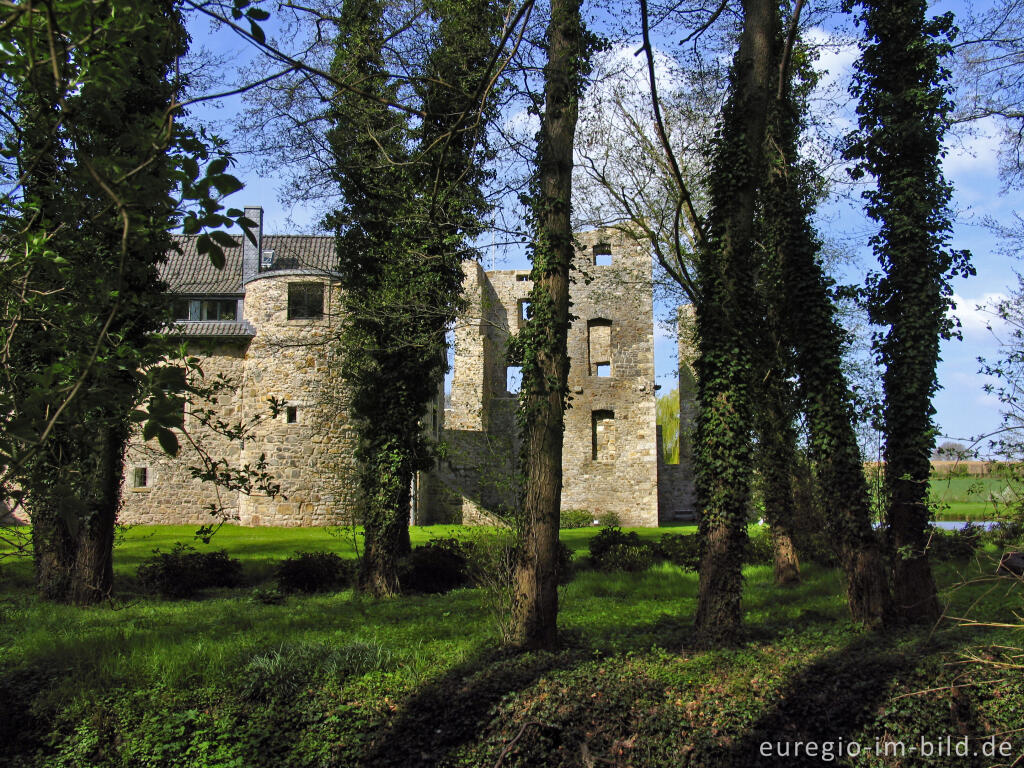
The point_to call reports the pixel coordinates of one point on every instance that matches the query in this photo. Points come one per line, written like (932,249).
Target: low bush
(959,544)
(760,549)
(440,565)
(612,549)
(574,518)
(183,571)
(313,572)
(609,519)
(681,550)
(1007,533)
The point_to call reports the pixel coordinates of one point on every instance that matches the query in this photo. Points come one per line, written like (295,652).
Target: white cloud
(977,315)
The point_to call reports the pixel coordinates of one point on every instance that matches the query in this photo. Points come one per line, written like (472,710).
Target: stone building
(265,323)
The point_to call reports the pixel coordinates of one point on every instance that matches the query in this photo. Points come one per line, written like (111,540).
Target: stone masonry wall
(172,495)
(291,360)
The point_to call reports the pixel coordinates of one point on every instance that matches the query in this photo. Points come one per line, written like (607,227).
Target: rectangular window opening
(513,379)
(291,414)
(523,277)
(603,435)
(602,255)
(305,301)
(206,310)
(602,370)
(140,477)
(524,311)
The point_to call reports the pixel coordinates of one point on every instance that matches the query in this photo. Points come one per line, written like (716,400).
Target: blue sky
(964,410)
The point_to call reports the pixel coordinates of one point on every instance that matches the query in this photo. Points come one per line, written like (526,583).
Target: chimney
(251,253)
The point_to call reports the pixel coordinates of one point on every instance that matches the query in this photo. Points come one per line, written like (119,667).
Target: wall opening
(292,414)
(525,313)
(603,435)
(602,255)
(513,379)
(599,346)
(140,477)
(305,301)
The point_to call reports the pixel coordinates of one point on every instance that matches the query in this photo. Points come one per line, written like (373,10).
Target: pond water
(954,525)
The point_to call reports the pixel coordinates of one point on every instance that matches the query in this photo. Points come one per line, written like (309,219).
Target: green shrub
(1007,533)
(612,549)
(440,565)
(183,571)
(760,549)
(954,545)
(681,550)
(609,519)
(313,572)
(574,518)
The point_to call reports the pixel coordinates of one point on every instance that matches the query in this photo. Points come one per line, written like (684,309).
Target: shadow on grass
(451,711)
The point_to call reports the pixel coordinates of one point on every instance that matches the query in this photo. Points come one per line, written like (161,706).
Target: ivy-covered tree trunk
(724,455)
(543,341)
(97,186)
(412,204)
(903,116)
(809,328)
(777,451)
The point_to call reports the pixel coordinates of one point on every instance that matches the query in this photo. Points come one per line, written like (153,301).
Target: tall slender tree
(542,344)
(903,114)
(807,322)
(724,455)
(412,204)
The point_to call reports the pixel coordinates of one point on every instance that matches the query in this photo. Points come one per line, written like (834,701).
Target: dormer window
(266,259)
(206,310)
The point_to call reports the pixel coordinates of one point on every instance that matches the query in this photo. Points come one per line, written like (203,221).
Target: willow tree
(410,180)
(903,115)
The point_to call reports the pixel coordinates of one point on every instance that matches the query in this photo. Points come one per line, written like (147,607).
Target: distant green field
(969,498)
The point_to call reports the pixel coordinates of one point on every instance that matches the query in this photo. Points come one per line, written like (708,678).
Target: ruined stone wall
(292,360)
(171,495)
(609,459)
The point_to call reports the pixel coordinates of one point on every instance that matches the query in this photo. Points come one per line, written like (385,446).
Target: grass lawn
(340,680)
(968,498)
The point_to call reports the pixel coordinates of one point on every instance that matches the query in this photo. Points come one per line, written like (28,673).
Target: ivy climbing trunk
(724,366)
(903,90)
(94,133)
(542,343)
(808,325)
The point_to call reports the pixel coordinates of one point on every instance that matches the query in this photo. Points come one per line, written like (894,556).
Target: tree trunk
(543,340)
(386,490)
(724,367)
(73,538)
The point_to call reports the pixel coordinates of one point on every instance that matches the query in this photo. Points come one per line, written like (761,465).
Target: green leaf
(257,32)
(168,441)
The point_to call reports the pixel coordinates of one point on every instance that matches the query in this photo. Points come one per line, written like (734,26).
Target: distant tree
(667,417)
(96,152)
(903,115)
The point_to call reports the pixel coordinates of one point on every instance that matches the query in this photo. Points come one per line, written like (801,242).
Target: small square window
(291,414)
(140,477)
(523,277)
(524,311)
(305,301)
(602,255)
(602,370)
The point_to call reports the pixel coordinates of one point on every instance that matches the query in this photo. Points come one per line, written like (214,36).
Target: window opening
(292,414)
(603,435)
(513,379)
(602,255)
(525,313)
(599,346)
(523,277)
(267,259)
(305,301)
(140,478)
(205,310)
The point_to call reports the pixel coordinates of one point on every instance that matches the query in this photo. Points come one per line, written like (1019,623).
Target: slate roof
(218,329)
(188,272)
